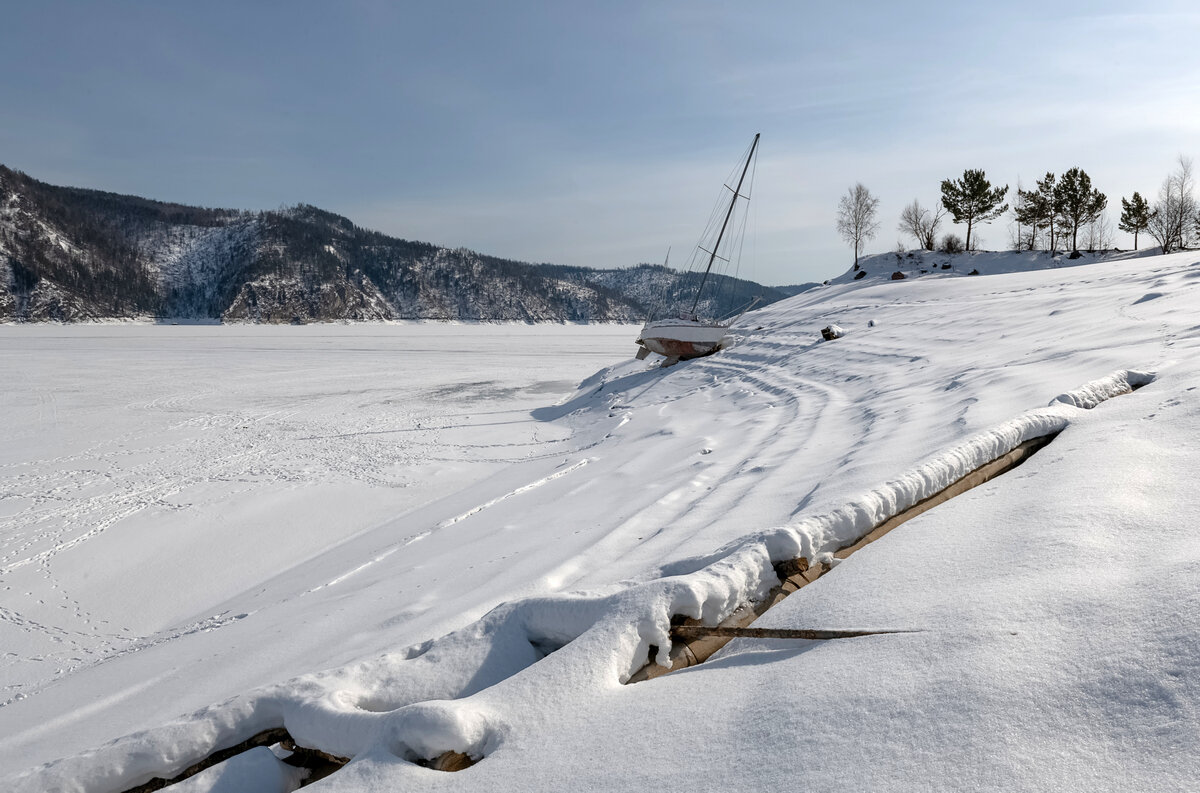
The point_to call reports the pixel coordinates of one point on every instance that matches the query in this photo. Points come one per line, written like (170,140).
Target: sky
(596,134)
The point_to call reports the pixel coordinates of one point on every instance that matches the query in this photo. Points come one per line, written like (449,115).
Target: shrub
(952,243)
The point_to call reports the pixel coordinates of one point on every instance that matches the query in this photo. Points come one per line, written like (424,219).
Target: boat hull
(682,339)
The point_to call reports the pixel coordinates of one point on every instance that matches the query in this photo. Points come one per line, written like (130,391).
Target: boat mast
(712,255)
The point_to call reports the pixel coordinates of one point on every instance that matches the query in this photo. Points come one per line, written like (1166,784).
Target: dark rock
(861,274)
(898,276)
(831,332)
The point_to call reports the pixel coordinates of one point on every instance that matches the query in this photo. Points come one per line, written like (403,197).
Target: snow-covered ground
(395,548)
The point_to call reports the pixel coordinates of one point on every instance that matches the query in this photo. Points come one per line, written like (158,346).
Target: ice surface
(546,546)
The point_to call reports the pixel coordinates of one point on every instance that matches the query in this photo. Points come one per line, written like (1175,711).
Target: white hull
(682,338)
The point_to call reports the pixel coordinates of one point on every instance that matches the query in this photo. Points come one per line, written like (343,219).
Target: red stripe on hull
(673,348)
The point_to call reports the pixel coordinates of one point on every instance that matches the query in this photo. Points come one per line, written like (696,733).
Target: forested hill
(71,254)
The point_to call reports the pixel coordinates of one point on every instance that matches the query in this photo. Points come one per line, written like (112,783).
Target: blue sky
(595,133)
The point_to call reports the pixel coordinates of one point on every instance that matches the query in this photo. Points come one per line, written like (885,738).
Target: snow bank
(416,703)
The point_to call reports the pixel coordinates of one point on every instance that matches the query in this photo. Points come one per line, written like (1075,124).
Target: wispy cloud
(595,135)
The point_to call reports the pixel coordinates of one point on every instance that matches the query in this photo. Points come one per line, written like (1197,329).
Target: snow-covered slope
(900,265)
(1057,641)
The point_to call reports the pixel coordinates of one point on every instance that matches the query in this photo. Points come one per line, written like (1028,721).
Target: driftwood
(449,761)
(318,762)
(696,642)
(699,631)
(984,473)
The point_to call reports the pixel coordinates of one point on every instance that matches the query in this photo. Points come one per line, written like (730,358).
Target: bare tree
(1016,235)
(1172,222)
(1038,209)
(1016,230)
(857,218)
(921,223)
(1098,234)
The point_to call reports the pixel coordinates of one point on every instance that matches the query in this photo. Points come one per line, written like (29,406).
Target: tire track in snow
(523,489)
(800,409)
(445,524)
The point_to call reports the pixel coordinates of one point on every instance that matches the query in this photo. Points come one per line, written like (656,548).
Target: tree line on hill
(71,254)
(1056,211)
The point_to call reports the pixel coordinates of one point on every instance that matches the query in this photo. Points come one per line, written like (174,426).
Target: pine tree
(972,200)
(1047,190)
(1135,216)
(1078,202)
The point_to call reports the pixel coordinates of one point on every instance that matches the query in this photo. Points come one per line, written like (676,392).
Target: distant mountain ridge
(71,254)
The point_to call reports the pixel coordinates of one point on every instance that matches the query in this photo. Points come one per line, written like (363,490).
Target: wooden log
(695,648)
(452,761)
(264,738)
(984,473)
(695,631)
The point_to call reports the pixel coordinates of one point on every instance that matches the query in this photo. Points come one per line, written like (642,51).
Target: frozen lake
(148,473)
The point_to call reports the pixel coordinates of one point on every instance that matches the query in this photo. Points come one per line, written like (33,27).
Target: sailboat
(688,334)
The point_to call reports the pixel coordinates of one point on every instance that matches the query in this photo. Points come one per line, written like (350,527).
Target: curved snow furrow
(776,447)
(795,414)
(827,377)
(700,496)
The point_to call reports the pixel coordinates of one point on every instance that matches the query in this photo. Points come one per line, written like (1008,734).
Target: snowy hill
(910,264)
(70,254)
(393,570)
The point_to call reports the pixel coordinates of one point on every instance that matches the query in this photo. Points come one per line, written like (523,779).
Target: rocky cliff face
(69,254)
